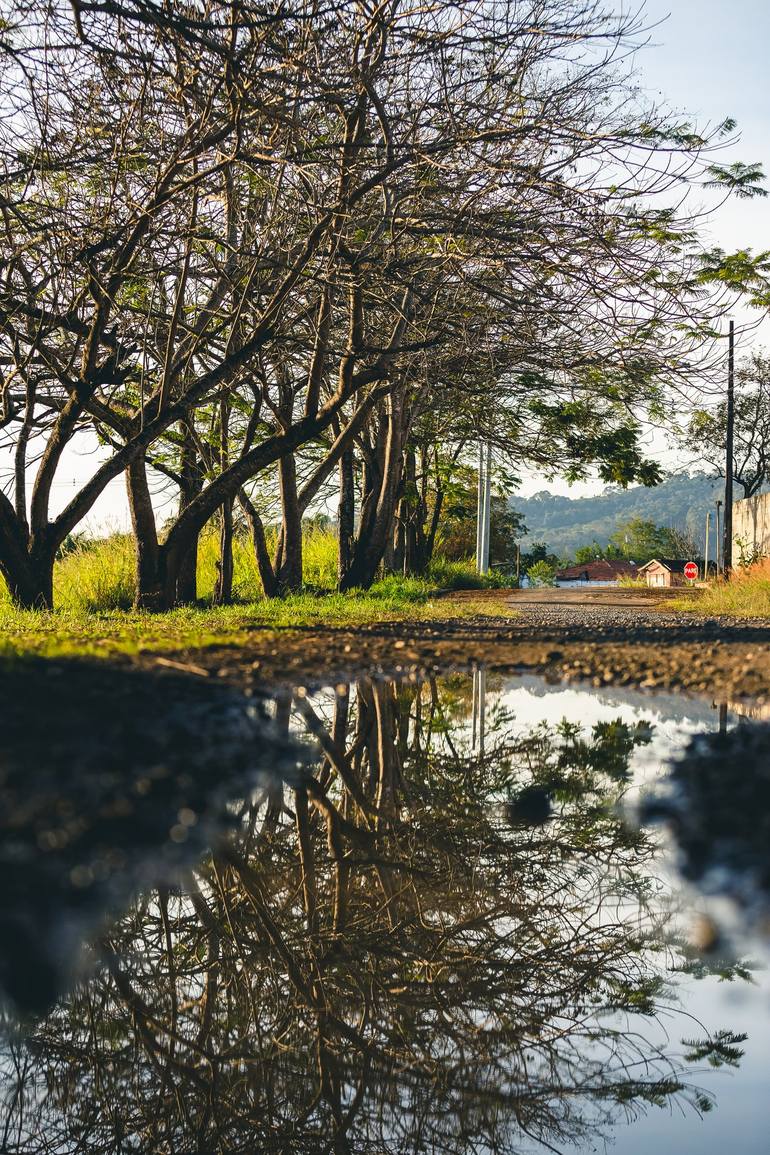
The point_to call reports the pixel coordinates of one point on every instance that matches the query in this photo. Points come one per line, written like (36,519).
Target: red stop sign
(691,571)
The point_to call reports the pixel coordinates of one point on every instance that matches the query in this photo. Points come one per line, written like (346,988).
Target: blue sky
(709,58)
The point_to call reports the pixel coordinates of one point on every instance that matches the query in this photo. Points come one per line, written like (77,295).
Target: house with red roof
(595,573)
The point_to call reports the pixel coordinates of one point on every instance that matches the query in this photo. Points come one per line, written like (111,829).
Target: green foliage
(720,1049)
(742,271)
(590,438)
(745,180)
(749,553)
(641,540)
(539,552)
(542,573)
(463,575)
(585,769)
(594,552)
(457,531)
(704,436)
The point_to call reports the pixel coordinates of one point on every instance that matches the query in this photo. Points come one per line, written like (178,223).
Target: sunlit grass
(109,632)
(94,591)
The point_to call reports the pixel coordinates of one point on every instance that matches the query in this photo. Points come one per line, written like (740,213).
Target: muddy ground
(605,637)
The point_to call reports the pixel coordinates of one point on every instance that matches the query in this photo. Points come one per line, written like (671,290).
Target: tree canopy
(705,436)
(250,258)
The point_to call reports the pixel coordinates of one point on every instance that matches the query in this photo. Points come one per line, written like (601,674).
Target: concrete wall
(751,526)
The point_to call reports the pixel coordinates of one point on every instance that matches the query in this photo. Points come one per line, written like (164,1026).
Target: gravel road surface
(617,637)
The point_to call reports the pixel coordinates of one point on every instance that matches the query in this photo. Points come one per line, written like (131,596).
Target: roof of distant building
(598,571)
(672,564)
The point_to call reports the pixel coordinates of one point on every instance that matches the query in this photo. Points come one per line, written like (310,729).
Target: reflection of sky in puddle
(740,1122)
(674,719)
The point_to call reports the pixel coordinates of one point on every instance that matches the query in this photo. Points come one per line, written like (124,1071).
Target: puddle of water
(408,917)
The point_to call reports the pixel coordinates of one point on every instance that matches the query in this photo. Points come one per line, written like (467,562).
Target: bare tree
(234,234)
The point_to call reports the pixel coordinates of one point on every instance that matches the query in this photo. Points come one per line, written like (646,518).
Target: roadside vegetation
(746,595)
(94,588)
(80,633)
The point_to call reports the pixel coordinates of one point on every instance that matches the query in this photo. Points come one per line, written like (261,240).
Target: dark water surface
(471,914)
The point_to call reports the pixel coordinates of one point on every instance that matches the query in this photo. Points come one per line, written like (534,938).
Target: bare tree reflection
(377,959)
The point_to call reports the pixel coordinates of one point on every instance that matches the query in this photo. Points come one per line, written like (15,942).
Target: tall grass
(319,559)
(99,574)
(96,575)
(246,584)
(746,595)
(462,575)
(319,563)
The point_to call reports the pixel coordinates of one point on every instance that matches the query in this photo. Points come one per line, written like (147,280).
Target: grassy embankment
(93,591)
(746,595)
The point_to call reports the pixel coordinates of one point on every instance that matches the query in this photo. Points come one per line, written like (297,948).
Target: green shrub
(397,589)
(542,573)
(463,575)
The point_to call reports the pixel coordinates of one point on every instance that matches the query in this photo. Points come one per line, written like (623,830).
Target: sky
(709,58)
(704,58)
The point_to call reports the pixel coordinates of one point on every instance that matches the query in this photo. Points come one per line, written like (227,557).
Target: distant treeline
(566,523)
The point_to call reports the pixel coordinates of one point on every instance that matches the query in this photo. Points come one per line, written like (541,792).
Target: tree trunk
(423,526)
(288,560)
(430,537)
(264,564)
(223,587)
(30,584)
(346,514)
(145,535)
(183,534)
(39,595)
(191,474)
(27,566)
(397,562)
(384,478)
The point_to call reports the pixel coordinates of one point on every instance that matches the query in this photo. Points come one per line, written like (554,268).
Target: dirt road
(621,637)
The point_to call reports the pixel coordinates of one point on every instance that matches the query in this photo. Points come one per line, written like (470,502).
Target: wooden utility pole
(727,551)
(718,539)
(706,551)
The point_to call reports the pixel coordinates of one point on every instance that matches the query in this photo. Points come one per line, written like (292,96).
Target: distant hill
(565,523)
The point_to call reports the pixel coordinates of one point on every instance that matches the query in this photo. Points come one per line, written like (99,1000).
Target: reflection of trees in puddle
(111,778)
(377,959)
(716,801)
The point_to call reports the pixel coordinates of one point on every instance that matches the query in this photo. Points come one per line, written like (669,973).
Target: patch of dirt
(616,638)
